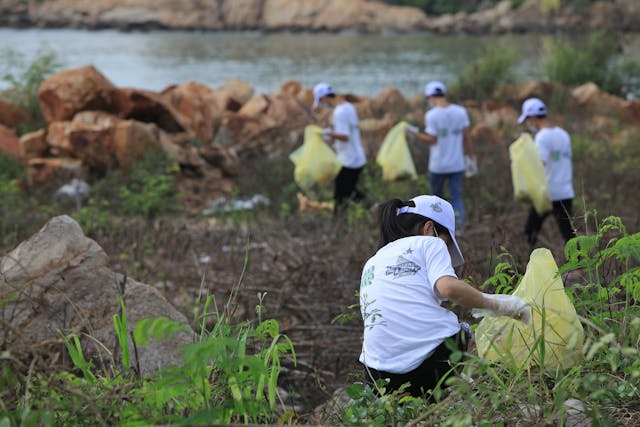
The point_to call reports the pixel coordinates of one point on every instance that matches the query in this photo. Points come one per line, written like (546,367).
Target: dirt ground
(307,267)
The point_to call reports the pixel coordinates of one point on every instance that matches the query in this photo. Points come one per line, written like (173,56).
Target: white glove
(504,305)
(470,166)
(326,134)
(413,129)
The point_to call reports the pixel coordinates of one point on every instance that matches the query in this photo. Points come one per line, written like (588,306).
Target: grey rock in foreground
(58,281)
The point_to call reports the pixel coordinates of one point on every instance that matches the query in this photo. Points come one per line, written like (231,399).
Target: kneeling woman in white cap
(401,290)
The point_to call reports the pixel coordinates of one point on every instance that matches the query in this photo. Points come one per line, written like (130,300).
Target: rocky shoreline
(314,16)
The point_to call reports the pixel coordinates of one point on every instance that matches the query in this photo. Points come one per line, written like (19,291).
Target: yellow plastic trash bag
(555,336)
(315,162)
(394,156)
(528,176)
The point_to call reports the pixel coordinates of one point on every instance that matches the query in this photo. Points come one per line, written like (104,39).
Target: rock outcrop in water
(313,15)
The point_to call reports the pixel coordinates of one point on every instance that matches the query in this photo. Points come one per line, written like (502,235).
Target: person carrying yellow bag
(315,163)
(554,145)
(394,156)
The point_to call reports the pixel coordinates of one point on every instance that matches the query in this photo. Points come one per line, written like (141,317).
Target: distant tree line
(439,7)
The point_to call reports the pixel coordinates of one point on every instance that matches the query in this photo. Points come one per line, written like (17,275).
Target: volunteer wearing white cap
(554,146)
(401,290)
(451,149)
(345,137)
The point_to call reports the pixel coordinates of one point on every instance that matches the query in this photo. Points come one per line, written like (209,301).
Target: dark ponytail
(394,226)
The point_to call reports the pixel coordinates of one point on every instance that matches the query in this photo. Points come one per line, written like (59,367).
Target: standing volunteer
(451,149)
(554,146)
(345,137)
(401,290)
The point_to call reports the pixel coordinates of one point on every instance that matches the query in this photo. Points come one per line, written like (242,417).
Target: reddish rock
(131,139)
(255,106)
(88,137)
(147,106)
(233,94)
(591,98)
(389,100)
(9,142)
(197,106)
(279,127)
(49,172)
(181,153)
(10,115)
(224,158)
(291,87)
(66,93)
(34,144)
(305,97)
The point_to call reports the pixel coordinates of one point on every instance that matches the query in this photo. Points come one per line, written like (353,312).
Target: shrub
(598,61)
(482,77)
(24,79)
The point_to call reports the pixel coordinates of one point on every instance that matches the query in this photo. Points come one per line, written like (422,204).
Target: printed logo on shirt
(555,156)
(403,267)
(442,133)
(367,277)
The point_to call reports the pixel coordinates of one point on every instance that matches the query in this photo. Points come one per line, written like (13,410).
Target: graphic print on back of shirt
(403,267)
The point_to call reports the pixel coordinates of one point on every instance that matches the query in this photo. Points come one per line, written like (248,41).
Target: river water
(355,63)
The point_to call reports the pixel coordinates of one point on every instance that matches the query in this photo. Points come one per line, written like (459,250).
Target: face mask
(325,105)
(532,128)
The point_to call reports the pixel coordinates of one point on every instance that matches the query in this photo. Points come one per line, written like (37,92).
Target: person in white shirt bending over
(401,289)
(345,137)
(554,146)
(451,148)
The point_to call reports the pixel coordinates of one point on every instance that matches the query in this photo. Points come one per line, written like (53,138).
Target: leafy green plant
(24,78)
(481,78)
(596,61)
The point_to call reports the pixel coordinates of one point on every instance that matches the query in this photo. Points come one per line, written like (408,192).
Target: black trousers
(426,376)
(562,211)
(345,188)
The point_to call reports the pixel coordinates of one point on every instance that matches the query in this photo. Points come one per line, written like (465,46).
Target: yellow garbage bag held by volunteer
(315,162)
(554,338)
(528,175)
(394,156)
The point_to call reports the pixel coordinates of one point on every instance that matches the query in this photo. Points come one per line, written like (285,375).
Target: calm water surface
(356,63)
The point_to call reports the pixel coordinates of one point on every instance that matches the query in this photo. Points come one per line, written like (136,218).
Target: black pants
(562,212)
(426,376)
(345,188)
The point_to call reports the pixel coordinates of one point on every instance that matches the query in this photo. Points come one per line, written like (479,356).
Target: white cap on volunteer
(440,211)
(532,107)
(435,88)
(320,90)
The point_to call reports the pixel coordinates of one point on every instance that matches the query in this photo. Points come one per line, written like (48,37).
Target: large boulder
(58,282)
(149,107)
(88,137)
(270,124)
(10,114)
(198,108)
(34,144)
(9,142)
(68,92)
(47,173)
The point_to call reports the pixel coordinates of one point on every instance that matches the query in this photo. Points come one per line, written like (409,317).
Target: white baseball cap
(532,107)
(441,211)
(320,90)
(435,88)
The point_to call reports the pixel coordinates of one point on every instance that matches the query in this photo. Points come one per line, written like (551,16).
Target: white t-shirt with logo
(447,124)
(554,146)
(403,319)
(345,122)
